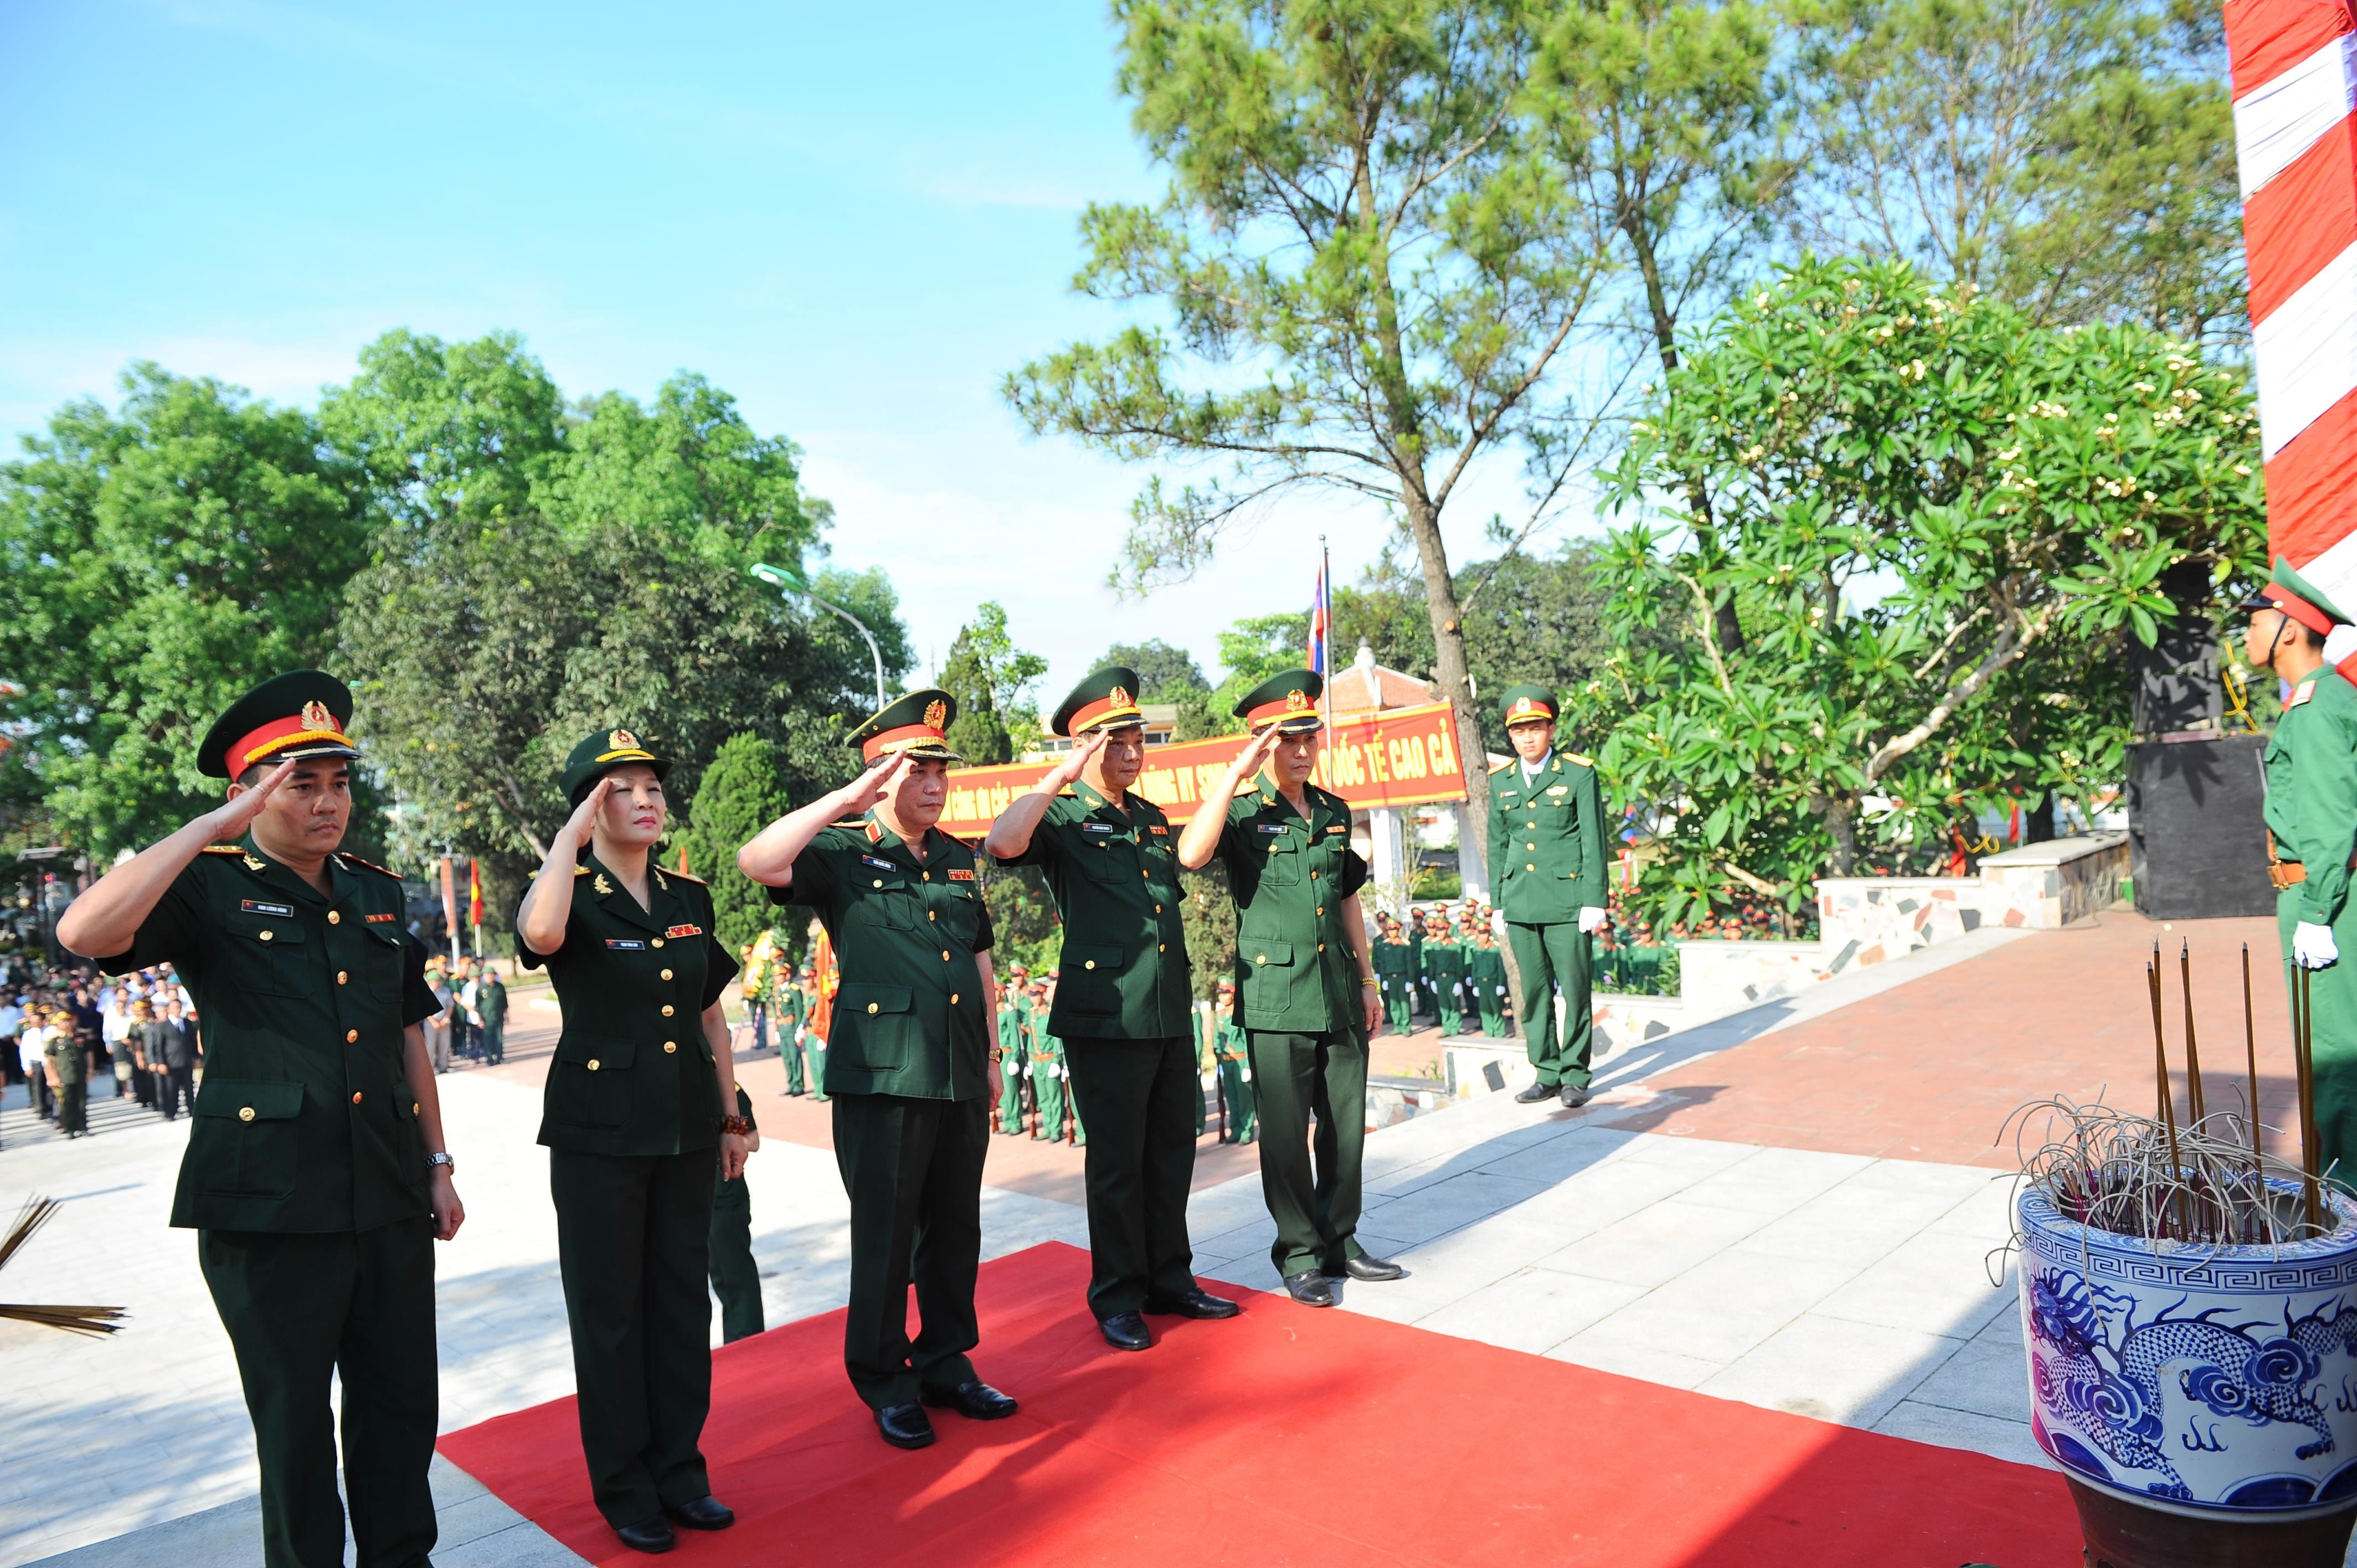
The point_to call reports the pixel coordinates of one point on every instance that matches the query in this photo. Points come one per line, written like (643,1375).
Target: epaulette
(1583,762)
(1068,791)
(580,871)
(222,849)
(852,823)
(349,858)
(1502,766)
(2300,693)
(688,876)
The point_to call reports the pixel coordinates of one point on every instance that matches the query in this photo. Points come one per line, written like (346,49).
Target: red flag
(474,892)
(683,871)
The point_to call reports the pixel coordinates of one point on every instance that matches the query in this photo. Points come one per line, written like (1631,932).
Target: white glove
(1591,920)
(1247,1078)
(1207,1078)
(1501,991)
(2313,946)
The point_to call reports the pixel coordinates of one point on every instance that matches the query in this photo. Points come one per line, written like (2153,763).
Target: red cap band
(1105,708)
(901,739)
(278,736)
(2299,610)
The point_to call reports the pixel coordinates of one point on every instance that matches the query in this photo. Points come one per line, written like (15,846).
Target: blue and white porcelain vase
(2207,1381)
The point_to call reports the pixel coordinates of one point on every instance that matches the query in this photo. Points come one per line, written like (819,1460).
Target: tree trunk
(1841,824)
(2038,822)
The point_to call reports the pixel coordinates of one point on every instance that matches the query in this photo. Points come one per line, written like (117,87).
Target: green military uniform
(2312,816)
(1546,858)
(908,1067)
(630,1116)
(1392,958)
(491,1001)
(1444,979)
(736,1278)
(1297,987)
(1235,1080)
(1014,1048)
(1044,1068)
(1124,1012)
(306,1175)
(69,1060)
(788,1010)
(1485,978)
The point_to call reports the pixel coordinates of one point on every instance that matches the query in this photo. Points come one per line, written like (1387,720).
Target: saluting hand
(1075,761)
(228,820)
(1256,751)
(877,782)
(585,815)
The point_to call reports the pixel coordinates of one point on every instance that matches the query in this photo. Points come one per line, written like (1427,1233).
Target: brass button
(880,882)
(1089,963)
(670,1046)
(1262,959)
(1157,908)
(1530,846)
(350,1035)
(343,977)
(667,1009)
(1528,867)
(1162,947)
(871,1006)
(1322,908)
(945,955)
(1532,823)
(930,916)
(356,1096)
(658,941)
(1321,947)
(416,1108)
(267,935)
(592,1064)
(926,874)
(953,998)
(245,1112)
(666,974)
(1313,876)
(335,917)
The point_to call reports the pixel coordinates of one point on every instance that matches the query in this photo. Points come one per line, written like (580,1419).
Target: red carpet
(1289,1436)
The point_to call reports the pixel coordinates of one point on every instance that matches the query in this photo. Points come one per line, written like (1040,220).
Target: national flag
(1321,624)
(474,892)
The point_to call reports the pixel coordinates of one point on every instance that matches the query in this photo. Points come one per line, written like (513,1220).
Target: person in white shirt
(32,1051)
(114,1034)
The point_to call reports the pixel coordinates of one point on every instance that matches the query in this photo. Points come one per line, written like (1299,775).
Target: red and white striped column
(2295,70)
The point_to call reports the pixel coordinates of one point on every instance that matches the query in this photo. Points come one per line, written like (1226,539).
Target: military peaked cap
(599,754)
(917,723)
(1289,701)
(300,713)
(2293,594)
(1525,703)
(1105,699)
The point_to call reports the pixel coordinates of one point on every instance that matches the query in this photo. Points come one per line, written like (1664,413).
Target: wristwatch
(445,1161)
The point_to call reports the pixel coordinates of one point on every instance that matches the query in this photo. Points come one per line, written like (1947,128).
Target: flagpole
(1326,645)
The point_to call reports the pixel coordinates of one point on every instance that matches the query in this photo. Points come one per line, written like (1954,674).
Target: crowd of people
(65,1033)
(472,1023)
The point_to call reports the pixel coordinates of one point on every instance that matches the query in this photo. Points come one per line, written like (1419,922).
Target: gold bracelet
(1368,980)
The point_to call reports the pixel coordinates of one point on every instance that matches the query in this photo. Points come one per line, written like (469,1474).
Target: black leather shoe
(1367,1267)
(647,1535)
(905,1426)
(1574,1096)
(1535,1093)
(1310,1288)
(1126,1331)
(706,1513)
(1196,1303)
(976,1401)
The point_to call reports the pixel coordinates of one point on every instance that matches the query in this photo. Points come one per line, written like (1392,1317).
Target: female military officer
(640,1102)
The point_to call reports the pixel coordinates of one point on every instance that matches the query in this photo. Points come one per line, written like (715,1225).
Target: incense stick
(2251,1056)
(2303,1052)
(2193,1104)
(2167,1099)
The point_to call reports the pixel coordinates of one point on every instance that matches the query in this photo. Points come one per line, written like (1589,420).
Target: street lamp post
(785,582)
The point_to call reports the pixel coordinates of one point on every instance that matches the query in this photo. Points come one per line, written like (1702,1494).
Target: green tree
(995,683)
(1367,265)
(2074,156)
(741,794)
(1167,675)
(1255,649)
(155,561)
(2007,494)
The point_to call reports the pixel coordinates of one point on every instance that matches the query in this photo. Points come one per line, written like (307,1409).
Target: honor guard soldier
(1546,854)
(908,1060)
(1485,977)
(1444,972)
(316,1176)
(639,1117)
(1014,1045)
(1236,1067)
(1307,991)
(1393,959)
(1124,1004)
(2311,814)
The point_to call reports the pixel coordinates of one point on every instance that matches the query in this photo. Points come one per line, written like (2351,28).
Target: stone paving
(1840,1283)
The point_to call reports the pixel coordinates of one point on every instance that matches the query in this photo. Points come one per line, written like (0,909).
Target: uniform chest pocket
(380,962)
(1108,859)
(1281,861)
(888,899)
(271,954)
(957,917)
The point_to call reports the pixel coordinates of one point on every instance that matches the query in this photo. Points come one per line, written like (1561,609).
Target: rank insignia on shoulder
(1583,762)
(349,858)
(600,884)
(691,876)
(255,864)
(958,876)
(2300,693)
(256,906)
(379,919)
(684,931)
(224,849)
(626,944)
(1502,766)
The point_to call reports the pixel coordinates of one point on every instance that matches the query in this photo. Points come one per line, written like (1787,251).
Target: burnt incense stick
(2195,1111)
(2251,1056)
(2303,1046)
(2167,1099)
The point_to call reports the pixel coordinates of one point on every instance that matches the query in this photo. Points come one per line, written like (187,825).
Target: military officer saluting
(316,1176)
(1546,854)
(640,1120)
(907,1059)
(2311,812)
(1124,1004)
(1309,999)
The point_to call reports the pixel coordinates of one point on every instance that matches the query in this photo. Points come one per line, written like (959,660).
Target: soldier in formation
(1546,856)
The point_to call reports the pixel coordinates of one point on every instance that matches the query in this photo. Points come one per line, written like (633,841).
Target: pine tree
(740,795)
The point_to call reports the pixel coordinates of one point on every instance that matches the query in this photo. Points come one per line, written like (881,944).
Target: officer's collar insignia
(254,862)
(874,833)
(659,880)
(601,884)
(937,714)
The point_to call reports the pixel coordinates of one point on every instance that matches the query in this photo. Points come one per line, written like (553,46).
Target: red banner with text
(1397,757)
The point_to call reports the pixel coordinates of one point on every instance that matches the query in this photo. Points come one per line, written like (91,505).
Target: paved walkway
(1757,1256)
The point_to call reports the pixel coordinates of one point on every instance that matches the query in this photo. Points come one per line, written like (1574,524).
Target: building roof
(1350,692)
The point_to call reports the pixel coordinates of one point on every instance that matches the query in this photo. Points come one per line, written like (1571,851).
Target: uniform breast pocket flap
(1265,955)
(873,1026)
(1281,864)
(889,899)
(1088,979)
(269,955)
(243,1144)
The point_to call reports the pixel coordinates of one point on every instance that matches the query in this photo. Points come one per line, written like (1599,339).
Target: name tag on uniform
(256,906)
(1272,827)
(1096,827)
(879,864)
(627,944)
(956,876)
(684,931)
(1560,790)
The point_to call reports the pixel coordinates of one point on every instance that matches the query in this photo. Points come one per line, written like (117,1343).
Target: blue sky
(855,219)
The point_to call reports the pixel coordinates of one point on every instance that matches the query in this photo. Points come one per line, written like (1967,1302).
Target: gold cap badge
(317,716)
(622,740)
(1297,701)
(936,713)
(1118,696)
